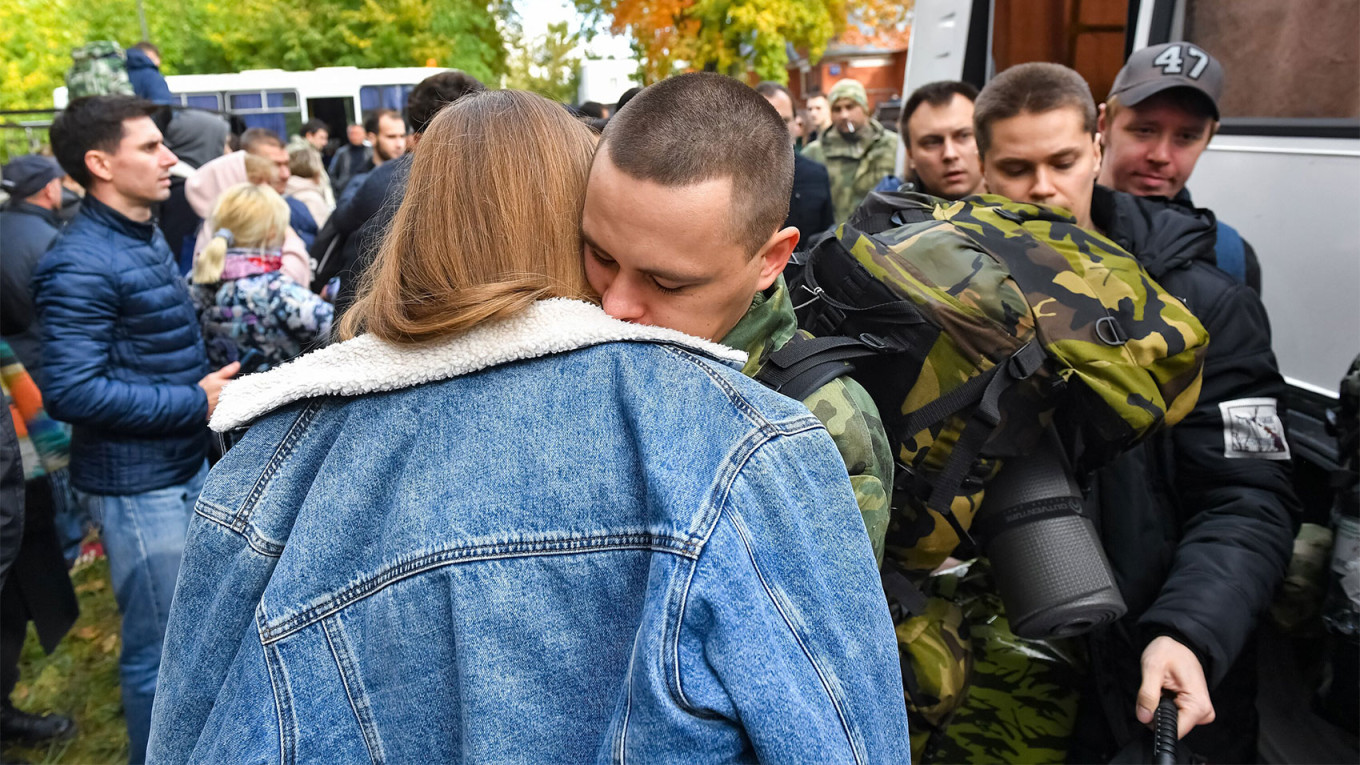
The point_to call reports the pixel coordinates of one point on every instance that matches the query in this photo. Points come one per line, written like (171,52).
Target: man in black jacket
(1160,116)
(1198,521)
(28,224)
(810,208)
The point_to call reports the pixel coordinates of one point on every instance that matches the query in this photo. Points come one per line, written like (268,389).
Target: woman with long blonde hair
(496,525)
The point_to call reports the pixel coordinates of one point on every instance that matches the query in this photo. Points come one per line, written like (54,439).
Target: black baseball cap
(1170,65)
(25,176)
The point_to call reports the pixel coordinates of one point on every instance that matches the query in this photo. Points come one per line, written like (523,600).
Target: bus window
(276,110)
(203,101)
(1281,60)
(373,97)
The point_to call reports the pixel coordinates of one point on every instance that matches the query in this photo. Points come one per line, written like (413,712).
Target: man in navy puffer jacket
(124,363)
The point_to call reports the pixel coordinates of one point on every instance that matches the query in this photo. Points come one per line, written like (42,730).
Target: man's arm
(852,419)
(785,628)
(1237,505)
(79,310)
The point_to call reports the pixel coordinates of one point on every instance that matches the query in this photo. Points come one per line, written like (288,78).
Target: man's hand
(1170,665)
(212,384)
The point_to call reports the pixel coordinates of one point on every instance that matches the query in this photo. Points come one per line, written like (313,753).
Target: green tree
(200,36)
(550,65)
(730,36)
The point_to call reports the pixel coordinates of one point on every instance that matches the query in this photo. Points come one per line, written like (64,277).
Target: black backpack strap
(899,588)
(805,364)
(883,210)
(986,390)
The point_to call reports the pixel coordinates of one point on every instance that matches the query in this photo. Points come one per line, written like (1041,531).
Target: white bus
(282,101)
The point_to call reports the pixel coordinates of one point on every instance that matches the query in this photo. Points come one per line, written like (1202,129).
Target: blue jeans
(144,538)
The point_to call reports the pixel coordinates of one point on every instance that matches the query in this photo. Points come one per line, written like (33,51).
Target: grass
(79,679)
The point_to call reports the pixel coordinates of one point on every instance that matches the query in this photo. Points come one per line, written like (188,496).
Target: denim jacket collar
(366,364)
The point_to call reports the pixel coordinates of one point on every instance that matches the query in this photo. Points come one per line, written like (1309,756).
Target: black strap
(804,364)
(890,312)
(899,588)
(984,419)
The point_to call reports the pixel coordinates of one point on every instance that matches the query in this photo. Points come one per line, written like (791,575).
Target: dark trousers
(38,587)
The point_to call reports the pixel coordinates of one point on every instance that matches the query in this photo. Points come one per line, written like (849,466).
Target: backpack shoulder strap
(1231,253)
(804,364)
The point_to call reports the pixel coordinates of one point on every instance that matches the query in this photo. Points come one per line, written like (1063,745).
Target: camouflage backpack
(975,323)
(99,69)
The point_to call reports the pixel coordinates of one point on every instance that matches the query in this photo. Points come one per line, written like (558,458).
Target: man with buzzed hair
(1197,521)
(689,235)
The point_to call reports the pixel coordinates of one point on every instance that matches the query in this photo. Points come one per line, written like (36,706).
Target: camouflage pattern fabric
(995,275)
(1020,702)
(99,69)
(855,167)
(844,407)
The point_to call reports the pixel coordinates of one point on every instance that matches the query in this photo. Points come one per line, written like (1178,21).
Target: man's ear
(1101,126)
(775,254)
(100,164)
(1096,141)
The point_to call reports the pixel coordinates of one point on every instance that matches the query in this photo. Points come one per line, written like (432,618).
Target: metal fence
(24,131)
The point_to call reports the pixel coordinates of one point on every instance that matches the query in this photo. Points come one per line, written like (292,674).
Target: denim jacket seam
(742,454)
(283,700)
(336,601)
(214,513)
(296,430)
(822,674)
(363,713)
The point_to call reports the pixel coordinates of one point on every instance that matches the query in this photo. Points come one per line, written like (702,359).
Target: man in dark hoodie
(144,71)
(1198,521)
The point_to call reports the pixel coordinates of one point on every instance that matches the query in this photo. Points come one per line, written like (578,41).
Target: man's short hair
(593,109)
(93,123)
(1033,88)
(148,47)
(257,137)
(434,93)
(374,117)
(703,126)
(936,94)
(769,87)
(313,125)
(813,94)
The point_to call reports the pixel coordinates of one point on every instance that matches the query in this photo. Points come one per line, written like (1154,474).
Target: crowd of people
(493,480)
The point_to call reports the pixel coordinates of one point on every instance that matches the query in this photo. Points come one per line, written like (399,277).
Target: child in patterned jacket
(249,309)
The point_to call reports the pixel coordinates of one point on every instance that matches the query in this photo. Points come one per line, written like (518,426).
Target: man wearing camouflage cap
(858,153)
(1160,116)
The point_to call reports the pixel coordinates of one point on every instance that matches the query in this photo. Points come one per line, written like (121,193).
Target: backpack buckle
(1110,332)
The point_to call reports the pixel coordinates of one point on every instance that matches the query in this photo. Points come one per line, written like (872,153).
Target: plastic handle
(1164,726)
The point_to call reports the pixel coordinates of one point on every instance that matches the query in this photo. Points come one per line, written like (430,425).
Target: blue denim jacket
(558,538)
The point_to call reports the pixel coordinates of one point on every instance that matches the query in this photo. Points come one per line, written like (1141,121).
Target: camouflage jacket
(842,405)
(855,167)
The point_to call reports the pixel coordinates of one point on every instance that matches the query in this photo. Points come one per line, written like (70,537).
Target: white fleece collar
(369,365)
